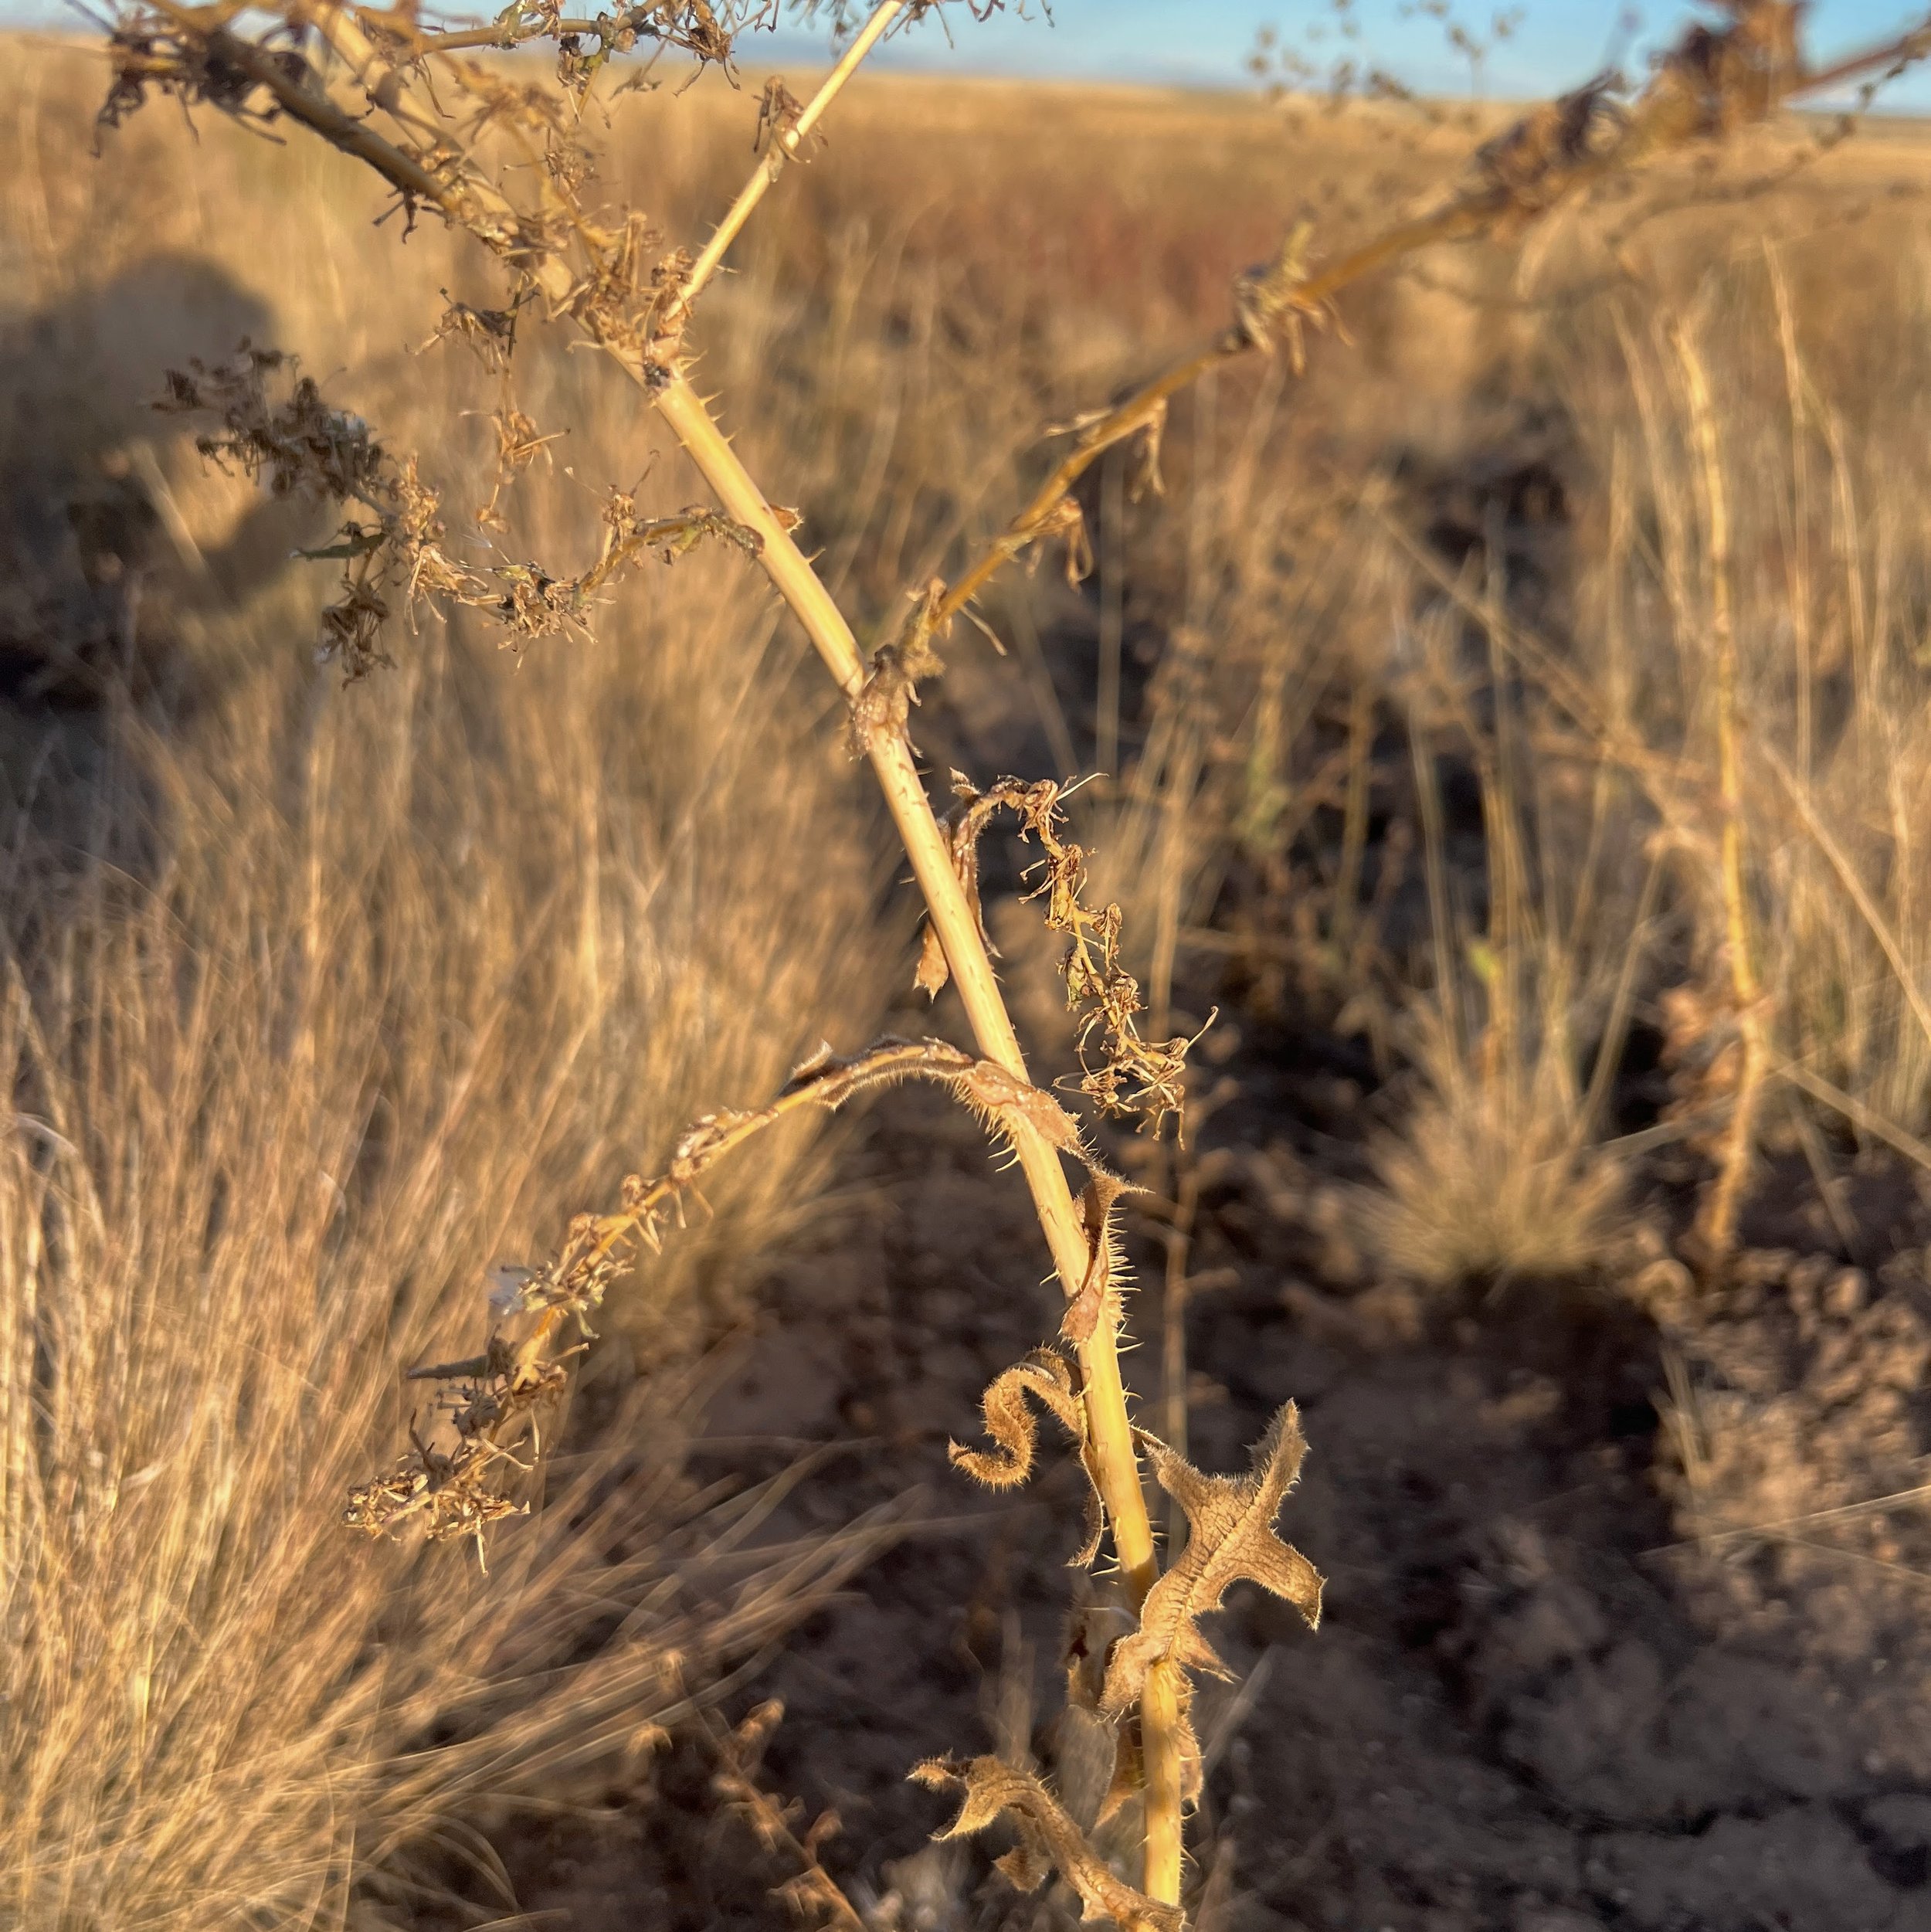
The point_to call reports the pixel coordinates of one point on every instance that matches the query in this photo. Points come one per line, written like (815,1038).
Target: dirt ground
(1539,1699)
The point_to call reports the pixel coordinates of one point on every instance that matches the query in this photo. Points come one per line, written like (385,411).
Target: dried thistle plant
(506,160)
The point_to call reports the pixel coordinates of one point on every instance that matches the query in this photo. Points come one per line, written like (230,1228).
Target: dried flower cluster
(302,447)
(1122,1074)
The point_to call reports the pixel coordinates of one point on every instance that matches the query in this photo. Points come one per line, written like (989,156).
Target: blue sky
(1202,43)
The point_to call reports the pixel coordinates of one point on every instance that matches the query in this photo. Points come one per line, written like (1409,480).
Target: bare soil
(1549,1691)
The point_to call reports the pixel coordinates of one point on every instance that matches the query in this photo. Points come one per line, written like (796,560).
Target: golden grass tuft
(319,1003)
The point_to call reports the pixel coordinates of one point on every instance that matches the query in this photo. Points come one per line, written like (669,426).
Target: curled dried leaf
(779,113)
(1105,1264)
(1047,1836)
(1143,477)
(961,830)
(272,423)
(490,332)
(1045,1375)
(1002,1099)
(1066,520)
(1045,1378)
(1269,305)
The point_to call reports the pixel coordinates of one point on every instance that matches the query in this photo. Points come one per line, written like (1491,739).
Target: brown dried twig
(814,1896)
(497,1395)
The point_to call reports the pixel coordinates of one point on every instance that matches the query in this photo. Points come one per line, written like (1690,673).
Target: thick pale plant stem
(958,929)
(1160,1718)
(1108,1424)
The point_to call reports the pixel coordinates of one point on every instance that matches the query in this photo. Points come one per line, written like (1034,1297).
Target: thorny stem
(971,969)
(1667,114)
(1109,1429)
(784,144)
(1160,1719)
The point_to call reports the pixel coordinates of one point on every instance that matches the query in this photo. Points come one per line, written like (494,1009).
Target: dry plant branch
(789,127)
(1712,83)
(812,1894)
(1715,1232)
(498,1394)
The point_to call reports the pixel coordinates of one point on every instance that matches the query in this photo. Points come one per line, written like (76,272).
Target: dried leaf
(1001,1099)
(1067,521)
(1123,1073)
(1047,1377)
(1025,1868)
(1104,1263)
(882,707)
(453,1491)
(1231,1535)
(934,968)
(1143,478)
(962,829)
(994,1788)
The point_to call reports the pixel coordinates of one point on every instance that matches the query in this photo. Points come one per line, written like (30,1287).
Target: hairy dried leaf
(1105,1265)
(1231,1535)
(994,1788)
(1000,1098)
(935,970)
(1046,1377)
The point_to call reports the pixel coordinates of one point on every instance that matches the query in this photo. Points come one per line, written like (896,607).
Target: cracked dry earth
(1554,1687)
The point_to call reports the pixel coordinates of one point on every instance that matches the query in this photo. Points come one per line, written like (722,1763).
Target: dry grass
(322,1000)
(1383,621)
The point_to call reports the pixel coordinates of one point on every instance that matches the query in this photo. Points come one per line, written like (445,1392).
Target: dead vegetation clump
(1486,1180)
